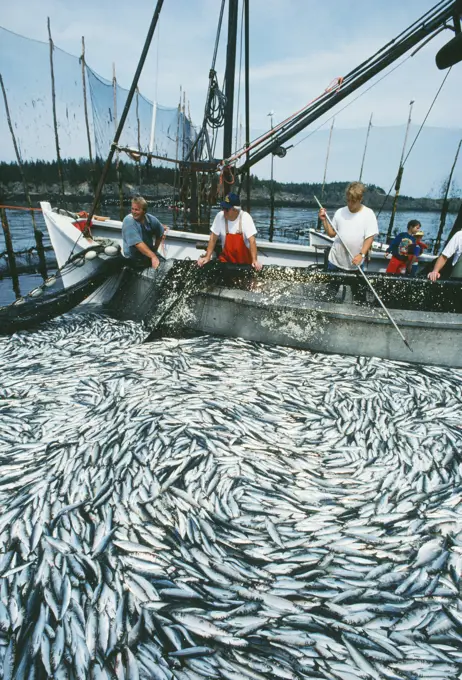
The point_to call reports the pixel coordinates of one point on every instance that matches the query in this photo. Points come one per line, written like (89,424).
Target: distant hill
(158,183)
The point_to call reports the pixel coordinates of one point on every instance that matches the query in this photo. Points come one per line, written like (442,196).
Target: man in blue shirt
(141,235)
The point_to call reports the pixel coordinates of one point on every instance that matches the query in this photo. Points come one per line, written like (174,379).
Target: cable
(415,140)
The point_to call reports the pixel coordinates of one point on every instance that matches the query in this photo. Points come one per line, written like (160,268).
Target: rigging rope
(415,140)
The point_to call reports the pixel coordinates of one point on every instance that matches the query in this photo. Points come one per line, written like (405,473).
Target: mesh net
(26,72)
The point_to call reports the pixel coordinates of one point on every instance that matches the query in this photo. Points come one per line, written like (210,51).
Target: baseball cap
(230,201)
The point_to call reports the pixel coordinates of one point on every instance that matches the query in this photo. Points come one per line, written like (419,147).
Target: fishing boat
(286,304)
(65,231)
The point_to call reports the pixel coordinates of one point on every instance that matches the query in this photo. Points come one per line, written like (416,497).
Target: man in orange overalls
(236,229)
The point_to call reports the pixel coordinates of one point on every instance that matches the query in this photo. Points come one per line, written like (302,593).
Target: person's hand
(155,262)
(434,276)
(388,256)
(203,260)
(357,260)
(257,266)
(322,214)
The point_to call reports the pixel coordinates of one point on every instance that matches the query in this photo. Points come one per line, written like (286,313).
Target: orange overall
(235,250)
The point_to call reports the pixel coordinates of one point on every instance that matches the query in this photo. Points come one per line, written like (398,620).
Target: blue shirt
(134,232)
(400,244)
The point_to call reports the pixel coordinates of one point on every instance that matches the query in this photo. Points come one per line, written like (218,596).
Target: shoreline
(258,199)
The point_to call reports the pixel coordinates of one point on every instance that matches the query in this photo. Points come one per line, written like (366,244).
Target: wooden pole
(123,118)
(444,207)
(55,121)
(85,107)
(10,253)
(138,162)
(119,174)
(175,177)
(399,177)
(37,232)
(247,97)
(365,148)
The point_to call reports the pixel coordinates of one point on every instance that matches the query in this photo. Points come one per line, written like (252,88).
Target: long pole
(399,177)
(366,280)
(85,107)
(55,121)
(365,148)
(444,208)
(123,118)
(271,227)
(247,97)
(10,253)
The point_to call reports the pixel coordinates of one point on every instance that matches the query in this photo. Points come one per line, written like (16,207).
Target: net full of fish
(211,508)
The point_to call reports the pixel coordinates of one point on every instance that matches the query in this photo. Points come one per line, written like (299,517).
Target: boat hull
(435,337)
(182,245)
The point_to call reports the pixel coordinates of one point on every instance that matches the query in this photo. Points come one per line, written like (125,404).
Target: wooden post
(119,174)
(247,99)
(444,207)
(10,253)
(37,232)
(55,122)
(138,162)
(85,108)
(176,157)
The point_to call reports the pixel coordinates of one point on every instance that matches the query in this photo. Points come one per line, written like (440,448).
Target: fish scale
(278,463)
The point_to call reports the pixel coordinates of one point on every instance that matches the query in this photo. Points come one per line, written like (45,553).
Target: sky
(297,47)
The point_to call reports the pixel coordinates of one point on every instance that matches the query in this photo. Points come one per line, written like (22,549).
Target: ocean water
(291,225)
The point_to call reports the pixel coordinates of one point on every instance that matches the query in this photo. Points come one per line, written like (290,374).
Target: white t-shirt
(248,227)
(454,247)
(353,229)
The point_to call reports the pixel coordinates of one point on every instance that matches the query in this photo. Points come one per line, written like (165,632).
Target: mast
(399,176)
(365,147)
(229,84)
(247,97)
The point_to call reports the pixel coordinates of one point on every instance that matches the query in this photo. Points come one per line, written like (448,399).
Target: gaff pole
(367,280)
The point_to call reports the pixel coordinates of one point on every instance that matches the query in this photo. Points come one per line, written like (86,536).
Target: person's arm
(210,248)
(326,224)
(145,250)
(438,266)
(361,256)
(253,252)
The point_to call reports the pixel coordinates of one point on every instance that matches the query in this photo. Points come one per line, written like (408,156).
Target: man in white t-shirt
(453,247)
(236,230)
(356,226)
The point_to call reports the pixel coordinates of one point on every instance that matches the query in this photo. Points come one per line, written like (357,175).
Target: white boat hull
(182,245)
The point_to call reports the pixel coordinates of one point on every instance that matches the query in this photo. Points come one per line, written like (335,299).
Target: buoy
(91,255)
(111,250)
(79,262)
(19,301)
(36,292)
(51,281)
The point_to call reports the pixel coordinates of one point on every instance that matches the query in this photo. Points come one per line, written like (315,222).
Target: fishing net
(25,69)
(86,270)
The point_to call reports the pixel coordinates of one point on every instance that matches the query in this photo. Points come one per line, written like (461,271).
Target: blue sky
(297,48)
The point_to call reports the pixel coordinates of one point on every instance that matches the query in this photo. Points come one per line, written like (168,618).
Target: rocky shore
(376,198)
